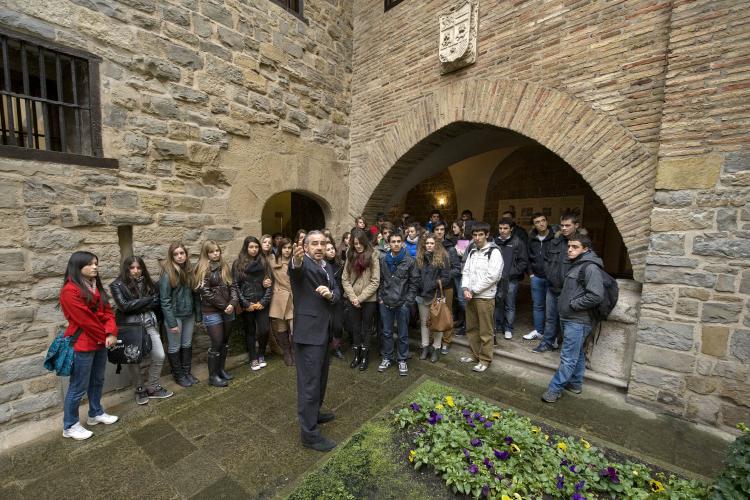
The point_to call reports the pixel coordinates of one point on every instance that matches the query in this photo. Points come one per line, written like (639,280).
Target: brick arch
(618,168)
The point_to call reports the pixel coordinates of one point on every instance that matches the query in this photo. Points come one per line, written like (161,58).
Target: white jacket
(481,274)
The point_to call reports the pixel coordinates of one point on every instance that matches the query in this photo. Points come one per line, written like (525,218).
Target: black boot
(364,358)
(186,360)
(223,362)
(357,358)
(425,353)
(336,344)
(177,372)
(214,362)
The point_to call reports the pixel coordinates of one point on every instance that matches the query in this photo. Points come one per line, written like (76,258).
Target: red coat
(96,319)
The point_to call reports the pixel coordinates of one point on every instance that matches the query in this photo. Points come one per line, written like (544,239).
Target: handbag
(133,344)
(60,354)
(441,318)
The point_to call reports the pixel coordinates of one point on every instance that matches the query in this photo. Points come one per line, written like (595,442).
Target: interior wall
(280,203)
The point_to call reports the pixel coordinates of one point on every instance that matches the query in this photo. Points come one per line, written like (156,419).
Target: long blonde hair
(439,255)
(178,274)
(204,262)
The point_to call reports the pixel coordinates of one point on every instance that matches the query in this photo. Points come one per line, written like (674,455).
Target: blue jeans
(572,357)
(401,315)
(86,377)
(551,320)
(505,310)
(538,298)
(184,337)
(459,293)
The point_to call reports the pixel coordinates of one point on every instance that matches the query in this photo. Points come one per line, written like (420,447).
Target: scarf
(392,261)
(413,241)
(359,264)
(254,267)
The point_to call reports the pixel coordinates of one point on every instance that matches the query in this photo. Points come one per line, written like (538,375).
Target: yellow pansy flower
(506,497)
(439,406)
(562,446)
(546,437)
(496,415)
(586,444)
(412,455)
(449,401)
(514,448)
(656,486)
(635,472)
(535,429)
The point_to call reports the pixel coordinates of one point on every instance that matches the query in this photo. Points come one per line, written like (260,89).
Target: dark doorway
(288,211)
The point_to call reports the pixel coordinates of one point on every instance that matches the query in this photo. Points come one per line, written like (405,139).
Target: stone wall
(694,330)
(211,107)
(422,199)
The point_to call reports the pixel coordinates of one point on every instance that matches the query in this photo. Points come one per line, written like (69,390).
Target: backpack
(611,293)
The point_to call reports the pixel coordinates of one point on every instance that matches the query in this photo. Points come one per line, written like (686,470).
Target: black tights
(361,321)
(256,325)
(219,335)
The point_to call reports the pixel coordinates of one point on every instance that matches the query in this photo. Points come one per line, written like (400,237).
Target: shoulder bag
(441,319)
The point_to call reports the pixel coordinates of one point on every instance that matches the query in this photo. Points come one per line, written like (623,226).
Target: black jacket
(250,284)
(399,288)
(556,263)
(215,294)
(536,252)
(450,247)
(521,234)
(515,257)
(429,276)
(133,305)
(312,312)
(579,296)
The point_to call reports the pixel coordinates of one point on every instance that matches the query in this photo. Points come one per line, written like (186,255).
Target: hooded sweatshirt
(579,296)
(482,271)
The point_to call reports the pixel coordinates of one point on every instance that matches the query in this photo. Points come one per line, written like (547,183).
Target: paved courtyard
(243,441)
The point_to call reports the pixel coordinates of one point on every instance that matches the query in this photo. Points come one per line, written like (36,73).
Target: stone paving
(243,441)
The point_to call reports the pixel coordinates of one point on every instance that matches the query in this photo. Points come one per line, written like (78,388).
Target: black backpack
(611,293)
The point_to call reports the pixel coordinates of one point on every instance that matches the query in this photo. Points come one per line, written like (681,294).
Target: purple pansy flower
(482,419)
(477,415)
(611,473)
(580,485)
(572,468)
(487,463)
(508,440)
(488,425)
(578,496)
(560,482)
(466,413)
(502,455)
(466,454)
(415,407)
(434,418)
(476,442)
(473,469)
(485,490)
(421,430)
(499,477)
(564,462)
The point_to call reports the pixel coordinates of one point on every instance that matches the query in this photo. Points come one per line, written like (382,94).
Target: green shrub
(734,480)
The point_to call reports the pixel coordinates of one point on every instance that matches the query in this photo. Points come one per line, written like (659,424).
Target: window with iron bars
(389,4)
(294,6)
(49,100)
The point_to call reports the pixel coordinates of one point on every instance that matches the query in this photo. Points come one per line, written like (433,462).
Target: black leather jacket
(250,285)
(215,294)
(134,306)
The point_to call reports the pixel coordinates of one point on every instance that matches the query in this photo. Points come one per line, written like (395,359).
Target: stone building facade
(210,107)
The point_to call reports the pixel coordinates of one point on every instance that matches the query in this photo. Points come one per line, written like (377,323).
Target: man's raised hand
(298,253)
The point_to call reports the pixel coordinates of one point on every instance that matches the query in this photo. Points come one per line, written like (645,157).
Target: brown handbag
(441,318)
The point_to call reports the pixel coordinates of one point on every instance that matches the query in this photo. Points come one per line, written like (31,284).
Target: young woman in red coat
(84,303)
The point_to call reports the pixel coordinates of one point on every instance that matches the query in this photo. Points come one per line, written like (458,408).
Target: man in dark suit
(314,291)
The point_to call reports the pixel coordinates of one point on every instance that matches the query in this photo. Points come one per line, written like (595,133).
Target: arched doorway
(288,211)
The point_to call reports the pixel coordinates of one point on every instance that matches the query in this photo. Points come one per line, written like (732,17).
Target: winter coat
(556,262)
(364,288)
(411,247)
(399,288)
(521,234)
(456,261)
(177,302)
(282,306)
(96,319)
(536,251)
(577,299)
(215,294)
(515,257)
(135,306)
(429,276)
(482,271)
(250,284)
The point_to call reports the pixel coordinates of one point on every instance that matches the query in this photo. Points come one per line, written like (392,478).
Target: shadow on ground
(243,441)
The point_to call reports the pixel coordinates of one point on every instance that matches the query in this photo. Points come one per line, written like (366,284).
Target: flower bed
(482,450)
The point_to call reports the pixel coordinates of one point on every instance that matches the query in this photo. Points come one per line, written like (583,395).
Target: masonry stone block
(36,403)
(170,149)
(22,369)
(719,245)
(657,274)
(10,392)
(667,334)
(129,218)
(124,200)
(732,415)
(735,391)
(11,260)
(671,244)
(736,161)
(187,94)
(687,307)
(701,384)
(671,261)
(680,219)
(674,198)
(688,172)
(55,239)
(676,361)
(714,340)
(739,345)
(220,234)
(726,219)
(721,312)
(658,378)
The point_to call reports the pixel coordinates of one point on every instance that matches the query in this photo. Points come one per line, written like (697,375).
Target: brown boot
(282,338)
(274,346)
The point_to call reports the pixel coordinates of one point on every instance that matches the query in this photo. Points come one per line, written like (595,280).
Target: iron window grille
(293,6)
(389,4)
(49,100)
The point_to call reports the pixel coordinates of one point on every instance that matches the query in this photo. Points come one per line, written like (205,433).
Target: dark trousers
(256,325)
(312,378)
(362,320)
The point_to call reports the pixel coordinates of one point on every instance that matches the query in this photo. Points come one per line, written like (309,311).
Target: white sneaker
(479,367)
(508,335)
(77,432)
(104,418)
(467,359)
(532,335)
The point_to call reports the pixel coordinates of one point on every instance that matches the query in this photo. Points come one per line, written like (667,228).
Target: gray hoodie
(576,299)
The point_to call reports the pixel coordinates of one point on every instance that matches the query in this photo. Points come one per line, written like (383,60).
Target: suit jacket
(312,312)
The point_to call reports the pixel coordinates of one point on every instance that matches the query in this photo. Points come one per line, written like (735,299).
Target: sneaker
(402,368)
(480,367)
(104,418)
(574,389)
(141,396)
(555,345)
(254,365)
(77,432)
(159,392)
(550,397)
(262,361)
(542,347)
(384,365)
(508,335)
(467,359)
(444,350)
(532,335)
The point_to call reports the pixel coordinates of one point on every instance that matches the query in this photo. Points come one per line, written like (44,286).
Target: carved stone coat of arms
(458,36)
